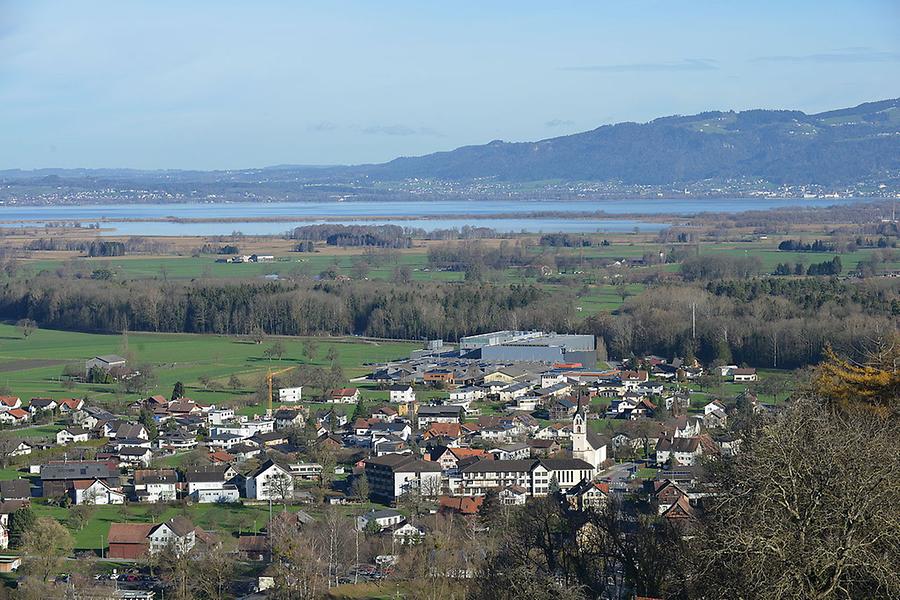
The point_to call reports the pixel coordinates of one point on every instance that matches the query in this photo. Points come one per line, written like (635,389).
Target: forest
(765,322)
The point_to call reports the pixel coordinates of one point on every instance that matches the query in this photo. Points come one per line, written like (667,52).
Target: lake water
(502,215)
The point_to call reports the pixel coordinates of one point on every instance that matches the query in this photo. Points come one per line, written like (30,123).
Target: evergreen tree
(178,391)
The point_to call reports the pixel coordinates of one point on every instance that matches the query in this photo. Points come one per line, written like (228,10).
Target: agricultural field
(187,358)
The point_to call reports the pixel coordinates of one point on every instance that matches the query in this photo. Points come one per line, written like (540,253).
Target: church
(586,445)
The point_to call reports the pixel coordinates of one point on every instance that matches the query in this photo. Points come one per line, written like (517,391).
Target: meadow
(188,358)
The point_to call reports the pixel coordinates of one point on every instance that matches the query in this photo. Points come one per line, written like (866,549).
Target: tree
(298,567)
(214,572)
(360,487)
(332,355)
(26,326)
(146,419)
(178,571)
(276,350)
(873,385)
(257,335)
(310,348)
(45,544)
(21,521)
(140,380)
(178,391)
(234,382)
(810,512)
(490,509)
(8,444)
(80,514)
(281,487)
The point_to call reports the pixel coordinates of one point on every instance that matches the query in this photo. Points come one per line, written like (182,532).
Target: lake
(502,215)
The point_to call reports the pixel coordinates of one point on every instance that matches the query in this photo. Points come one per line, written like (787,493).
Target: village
(509,416)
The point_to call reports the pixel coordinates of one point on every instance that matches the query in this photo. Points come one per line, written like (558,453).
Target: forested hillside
(780,146)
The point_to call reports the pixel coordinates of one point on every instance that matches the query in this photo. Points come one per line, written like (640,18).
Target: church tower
(590,449)
(580,448)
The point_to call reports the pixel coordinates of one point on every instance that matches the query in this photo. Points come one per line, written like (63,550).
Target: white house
(408,534)
(714,405)
(306,471)
(10,402)
(42,404)
(177,533)
(290,394)
(344,396)
(744,375)
(155,485)
(379,518)
(71,435)
(135,455)
(14,416)
(97,492)
(220,416)
(208,478)
(270,481)
(401,394)
(686,451)
(226,494)
(426,415)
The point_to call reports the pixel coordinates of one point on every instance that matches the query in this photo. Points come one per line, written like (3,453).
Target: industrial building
(531,346)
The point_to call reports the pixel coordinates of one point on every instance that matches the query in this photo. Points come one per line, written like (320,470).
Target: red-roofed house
(9,402)
(464,505)
(344,396)
(14,415)
(70,404)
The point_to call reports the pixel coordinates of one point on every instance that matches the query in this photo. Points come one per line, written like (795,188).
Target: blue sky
(231,84)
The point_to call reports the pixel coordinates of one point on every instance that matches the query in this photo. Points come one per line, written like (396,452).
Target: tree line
(411,310)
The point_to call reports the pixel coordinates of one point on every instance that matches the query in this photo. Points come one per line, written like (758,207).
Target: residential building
(270,481)
(344,396)
(401,394)
(157,485)
(380,519)
(96,492)
(290,394)
(427,415)
(72,435)
(392,475)
(59,478)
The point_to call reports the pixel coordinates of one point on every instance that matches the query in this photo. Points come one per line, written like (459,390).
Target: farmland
(175,357)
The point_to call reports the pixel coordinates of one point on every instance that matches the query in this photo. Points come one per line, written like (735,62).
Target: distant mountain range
(779,146)
(859,145)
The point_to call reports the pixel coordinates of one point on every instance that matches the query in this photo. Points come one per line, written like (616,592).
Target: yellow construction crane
(269,376)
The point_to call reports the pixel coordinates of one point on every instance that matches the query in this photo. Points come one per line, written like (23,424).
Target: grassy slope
(176,357)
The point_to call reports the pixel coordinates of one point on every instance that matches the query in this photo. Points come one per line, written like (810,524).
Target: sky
(221,84)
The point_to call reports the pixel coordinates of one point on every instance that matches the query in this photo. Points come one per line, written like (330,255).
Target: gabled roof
(268,465)
(110,358)
(466,505)
(15,489)
(129,533)
(78,470)
(681,509)
(678,444)
(155,476)
(180,526)
(9,400)
(207,474)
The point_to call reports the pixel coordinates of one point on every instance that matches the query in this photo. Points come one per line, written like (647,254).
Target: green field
(225,519)
(175,357)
